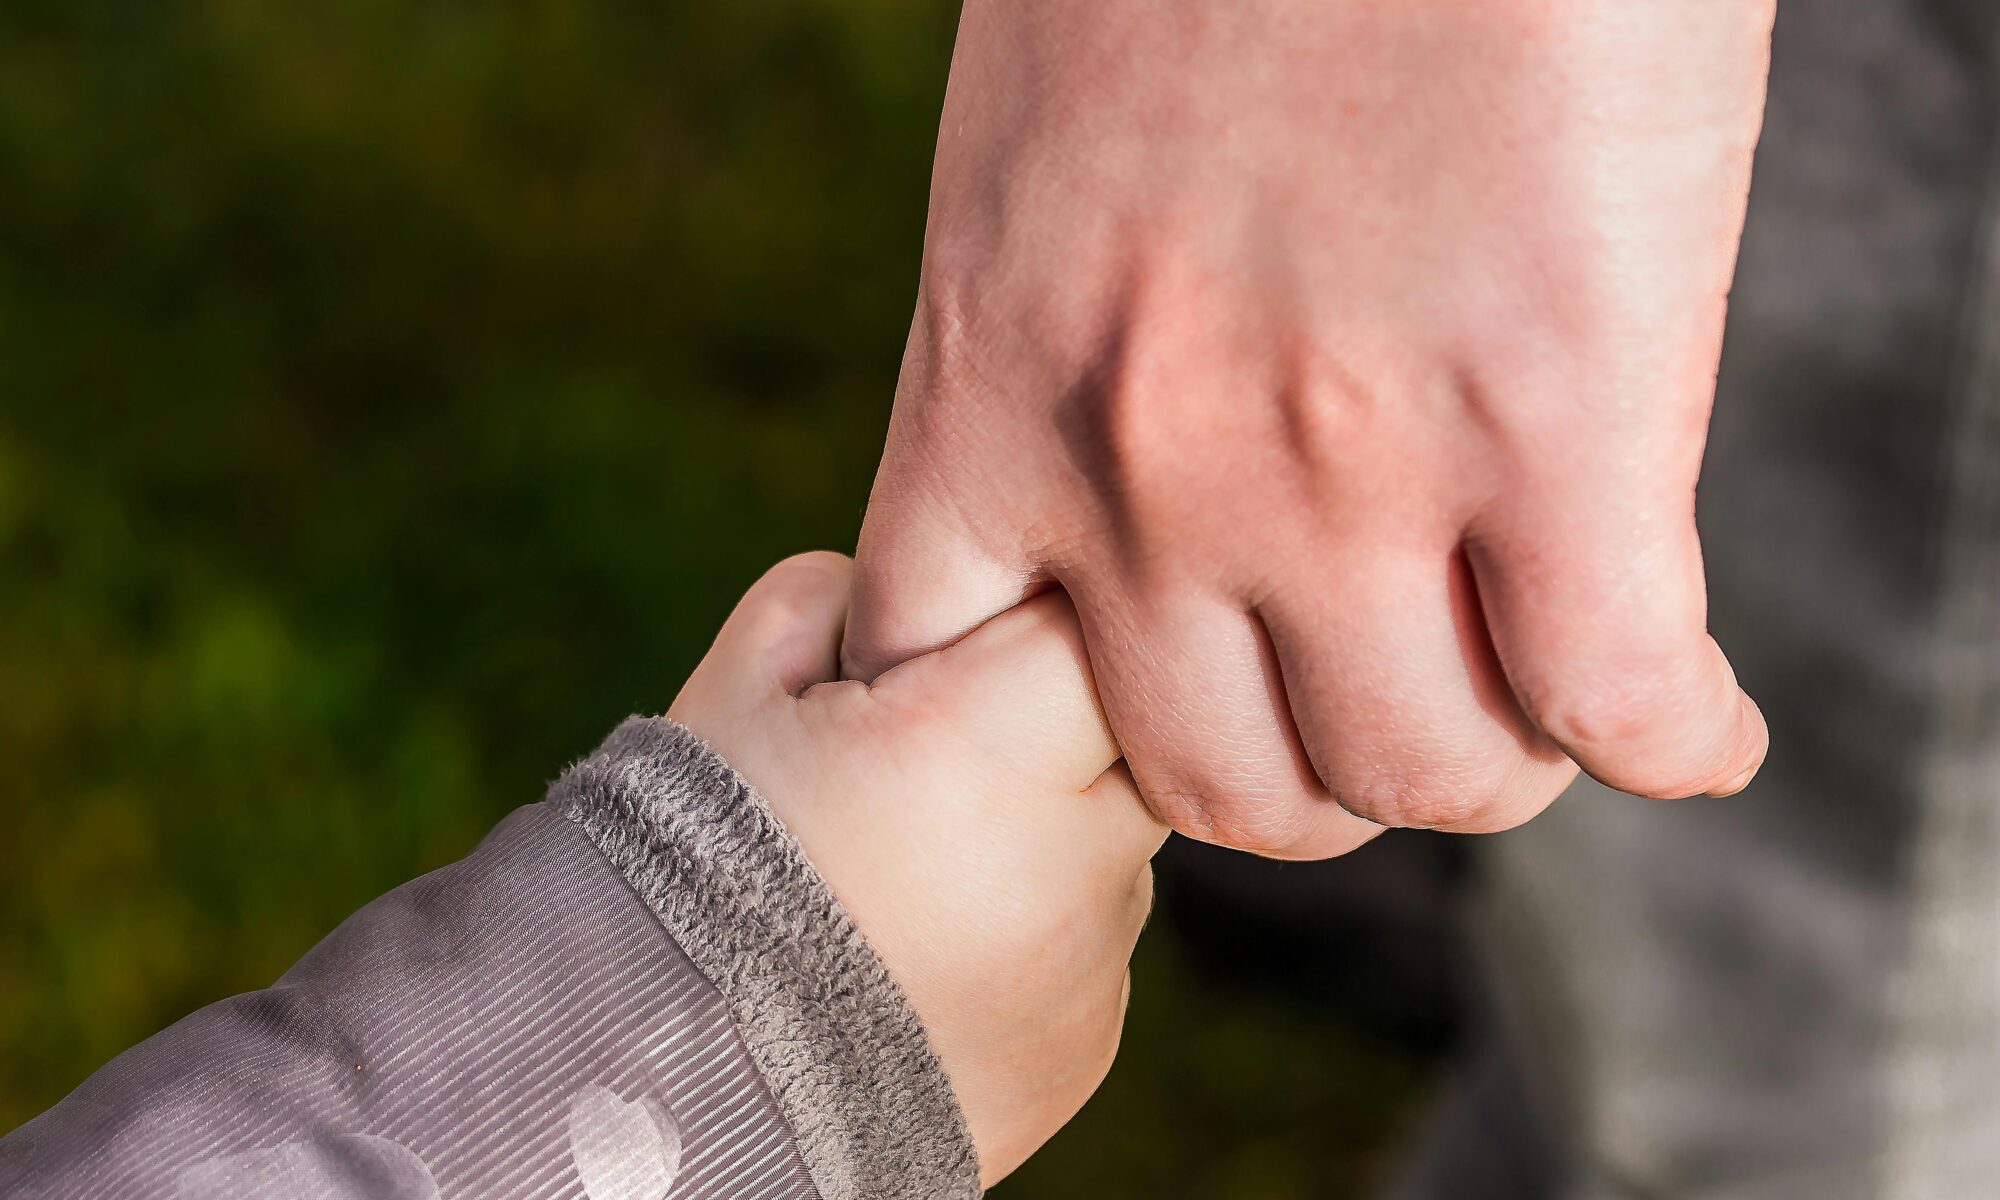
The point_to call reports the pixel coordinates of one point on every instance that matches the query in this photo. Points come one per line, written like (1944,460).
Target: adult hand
(1349,363)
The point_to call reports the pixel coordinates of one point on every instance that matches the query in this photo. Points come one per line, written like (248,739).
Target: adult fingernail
(1740,782)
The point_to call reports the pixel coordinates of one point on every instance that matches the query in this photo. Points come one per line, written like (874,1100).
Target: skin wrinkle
(948,362)
(1295,738)
(1091,435)
(1482,660)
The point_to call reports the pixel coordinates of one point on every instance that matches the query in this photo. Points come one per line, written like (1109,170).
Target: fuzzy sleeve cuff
(838,1044)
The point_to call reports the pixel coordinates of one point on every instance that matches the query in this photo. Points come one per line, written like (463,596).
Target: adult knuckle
(1208,812)
(1412,799)
(1617,708)
(1254,838)
(1649,732)
(1188,808)
(1270,829)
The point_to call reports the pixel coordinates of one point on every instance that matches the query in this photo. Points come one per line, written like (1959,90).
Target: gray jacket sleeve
(635,989)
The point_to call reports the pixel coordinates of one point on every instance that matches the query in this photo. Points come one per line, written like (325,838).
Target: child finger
(783,637)
(1123,829)
(1020,687)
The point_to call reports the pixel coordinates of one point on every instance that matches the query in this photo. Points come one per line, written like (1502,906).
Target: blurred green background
(395,394)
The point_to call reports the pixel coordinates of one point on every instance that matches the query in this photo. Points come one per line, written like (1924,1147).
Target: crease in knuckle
(1610,715)
(1427,801)
(1256,825)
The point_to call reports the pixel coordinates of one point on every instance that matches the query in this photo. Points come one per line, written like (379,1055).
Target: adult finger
(1401,703)
(1193,691)
(1598,609)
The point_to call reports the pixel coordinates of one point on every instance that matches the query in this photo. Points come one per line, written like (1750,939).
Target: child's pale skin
(970,810)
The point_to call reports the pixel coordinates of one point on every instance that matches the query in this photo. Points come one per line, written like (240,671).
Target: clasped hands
(1297,437)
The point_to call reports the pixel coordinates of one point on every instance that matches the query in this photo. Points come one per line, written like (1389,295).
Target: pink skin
(969,811)
(1349,363)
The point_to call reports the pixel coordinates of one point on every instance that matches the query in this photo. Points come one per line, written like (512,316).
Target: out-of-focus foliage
(394,394)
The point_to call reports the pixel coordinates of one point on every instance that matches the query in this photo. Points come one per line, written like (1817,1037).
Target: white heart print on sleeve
(623,1149)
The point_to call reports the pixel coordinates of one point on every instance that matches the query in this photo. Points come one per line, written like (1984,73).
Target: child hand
(970,811)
